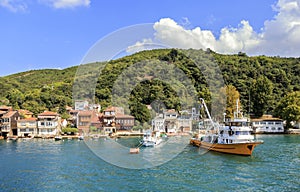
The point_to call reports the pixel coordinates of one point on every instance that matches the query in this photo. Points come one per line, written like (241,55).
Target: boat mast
(207,112)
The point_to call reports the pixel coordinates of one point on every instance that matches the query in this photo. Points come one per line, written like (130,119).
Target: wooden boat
(134,150)
(236,148)
(234,137)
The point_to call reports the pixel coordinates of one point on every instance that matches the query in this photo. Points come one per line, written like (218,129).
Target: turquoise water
(47,165)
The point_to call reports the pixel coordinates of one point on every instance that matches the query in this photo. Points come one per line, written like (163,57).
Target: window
(32,124)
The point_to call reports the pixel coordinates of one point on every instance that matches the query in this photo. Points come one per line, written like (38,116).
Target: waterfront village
(87,120)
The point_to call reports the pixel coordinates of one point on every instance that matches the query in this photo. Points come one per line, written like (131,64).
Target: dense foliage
(263,83)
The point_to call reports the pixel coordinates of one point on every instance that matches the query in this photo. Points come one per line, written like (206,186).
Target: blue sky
(37,34)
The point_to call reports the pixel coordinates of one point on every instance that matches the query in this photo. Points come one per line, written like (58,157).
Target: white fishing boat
(234,137)
(151,139)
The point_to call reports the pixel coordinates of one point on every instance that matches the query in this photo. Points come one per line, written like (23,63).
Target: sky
(38,34)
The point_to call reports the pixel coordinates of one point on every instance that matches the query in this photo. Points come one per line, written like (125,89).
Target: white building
(158,123)
(267,124)
(81,105)
(48,124)
(170,117)
(27,127)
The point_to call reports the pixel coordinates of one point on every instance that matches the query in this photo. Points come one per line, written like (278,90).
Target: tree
(289,108)
(232,96)
(16,98)
(261,95)
(34,107)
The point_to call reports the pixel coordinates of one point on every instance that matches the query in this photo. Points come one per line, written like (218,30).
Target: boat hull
(235,148)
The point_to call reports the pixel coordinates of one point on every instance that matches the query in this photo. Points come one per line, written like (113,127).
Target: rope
(140,145)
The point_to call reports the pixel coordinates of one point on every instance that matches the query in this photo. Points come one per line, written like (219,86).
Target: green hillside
(261,81)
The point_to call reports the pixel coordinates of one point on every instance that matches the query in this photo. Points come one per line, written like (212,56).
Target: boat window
(237,132)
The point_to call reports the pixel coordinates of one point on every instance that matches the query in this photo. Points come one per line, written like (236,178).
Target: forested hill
(265,79)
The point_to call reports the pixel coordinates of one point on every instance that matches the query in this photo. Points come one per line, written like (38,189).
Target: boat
(234,137)
(58,138)
(151,139)
(81,137)
(12,138)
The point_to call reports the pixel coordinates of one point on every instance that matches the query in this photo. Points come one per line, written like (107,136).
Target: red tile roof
(28,119)
(118,115)
(48,113)
(9,114)
(85,113)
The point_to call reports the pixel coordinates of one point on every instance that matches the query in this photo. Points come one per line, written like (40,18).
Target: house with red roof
(48,123)
(8,125)
(86,120)
(114,119)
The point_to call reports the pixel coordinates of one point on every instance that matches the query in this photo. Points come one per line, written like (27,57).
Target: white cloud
(59,4)
(282,34)
(139,46)
(169,32)
(279,36)
(14,5)
(231,40)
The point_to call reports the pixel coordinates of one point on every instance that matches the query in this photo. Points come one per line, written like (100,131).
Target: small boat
(81,137)
(234,137)
(58,138)
(95,136)
(12,138)
(151,139)
(134,150)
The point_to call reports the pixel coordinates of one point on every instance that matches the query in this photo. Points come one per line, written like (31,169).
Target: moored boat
(151,139)
(81,137)
(57,138)
(233,137)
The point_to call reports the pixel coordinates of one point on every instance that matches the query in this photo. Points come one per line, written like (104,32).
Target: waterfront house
(184,124)
(114,119)
(170,117)
(9,120)
(267,124)
(84,121)
(158,123)
(27,127)
(124,122)
(48,124)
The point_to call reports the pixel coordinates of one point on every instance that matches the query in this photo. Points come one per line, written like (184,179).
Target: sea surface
(70,165)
